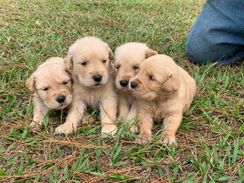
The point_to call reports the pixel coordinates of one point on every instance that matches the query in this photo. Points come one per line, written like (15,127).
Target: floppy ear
(68,61)
(150,52)
(111,55)
(172,83)
(111,61)
(30,83)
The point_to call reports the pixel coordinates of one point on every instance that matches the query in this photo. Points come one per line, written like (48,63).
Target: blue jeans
(218,33)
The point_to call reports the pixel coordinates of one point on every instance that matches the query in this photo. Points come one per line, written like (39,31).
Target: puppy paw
(86,119)
(108,130)
(169,139)
(143,139)
(134,129)
(35,125)
(65,129)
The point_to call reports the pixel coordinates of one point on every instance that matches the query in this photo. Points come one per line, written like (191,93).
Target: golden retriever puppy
(51,87)
(128,58)
(164,91)
(88,61)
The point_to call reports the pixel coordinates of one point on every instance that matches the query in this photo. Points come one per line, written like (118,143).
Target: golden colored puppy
(88,60)
(164,91)
(128,58)
(51,87)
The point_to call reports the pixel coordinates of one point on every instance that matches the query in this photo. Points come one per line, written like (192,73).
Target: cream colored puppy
(164,91)
(88,60)
(51,87)
(128,58)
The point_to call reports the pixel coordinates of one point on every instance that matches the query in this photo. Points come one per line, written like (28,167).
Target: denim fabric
(218,33)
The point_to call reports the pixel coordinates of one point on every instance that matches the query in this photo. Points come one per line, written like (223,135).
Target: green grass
(210,139)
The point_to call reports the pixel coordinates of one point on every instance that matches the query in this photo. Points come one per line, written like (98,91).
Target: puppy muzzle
(133,85)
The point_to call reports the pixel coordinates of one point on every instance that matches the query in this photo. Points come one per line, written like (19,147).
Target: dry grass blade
(26,175)
(77,144)
(116,171)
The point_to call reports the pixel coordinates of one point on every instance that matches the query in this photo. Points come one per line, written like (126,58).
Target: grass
(210,139)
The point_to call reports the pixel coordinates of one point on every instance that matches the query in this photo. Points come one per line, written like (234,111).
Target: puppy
(128,58)
(51,87)
(164,91)
(88,60)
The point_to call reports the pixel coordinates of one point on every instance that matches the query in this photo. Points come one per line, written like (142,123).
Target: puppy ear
(30,83)
(150,52)
(111,55)
(172,83)
(68,61)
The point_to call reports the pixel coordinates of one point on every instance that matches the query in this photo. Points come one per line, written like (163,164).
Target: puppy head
(159,75)
(89,60)
(52,83)
(128,58)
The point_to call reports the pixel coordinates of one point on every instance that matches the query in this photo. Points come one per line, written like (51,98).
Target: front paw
(108,130)
(143,139)
(65,129)
(87,118)
(35,125)
(169,139)
(134,129)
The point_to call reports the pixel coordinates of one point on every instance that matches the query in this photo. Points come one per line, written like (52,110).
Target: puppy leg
(86,118)
(123,108)
(40,111)
(145,127)
(132,115)
(171,124)
(108,112)
(74,117)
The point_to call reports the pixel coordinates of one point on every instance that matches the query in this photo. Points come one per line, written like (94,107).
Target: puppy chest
(162,110)
(130,99)
(92,100)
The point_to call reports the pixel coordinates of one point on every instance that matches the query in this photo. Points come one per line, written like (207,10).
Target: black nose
(133,84)
(123,83)
(60,99)
(97,77)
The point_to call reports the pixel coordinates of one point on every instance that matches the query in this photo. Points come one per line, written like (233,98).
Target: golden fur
(164,91)
(51,87)
(128,58)
(87,59)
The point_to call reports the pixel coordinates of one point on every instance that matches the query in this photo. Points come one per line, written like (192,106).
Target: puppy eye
(117,66)
(135,67)
(65,82)
(45,89)
(104,61)
(150,76)
(83,63)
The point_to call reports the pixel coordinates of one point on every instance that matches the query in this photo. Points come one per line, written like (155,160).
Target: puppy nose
(123,83)
(133,84)
(60,99)
(97,77)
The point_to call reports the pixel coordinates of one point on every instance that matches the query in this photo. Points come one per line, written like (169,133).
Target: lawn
(210,139)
